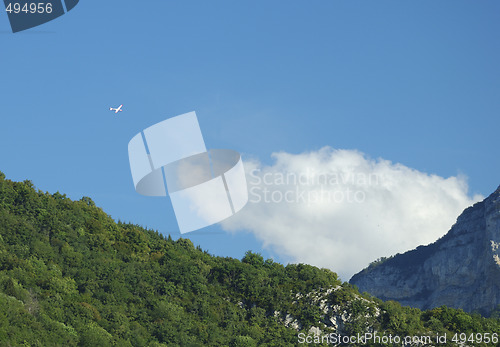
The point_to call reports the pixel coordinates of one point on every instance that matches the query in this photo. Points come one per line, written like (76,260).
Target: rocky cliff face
(460,270)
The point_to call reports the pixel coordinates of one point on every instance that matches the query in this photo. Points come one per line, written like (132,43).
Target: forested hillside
(70,275)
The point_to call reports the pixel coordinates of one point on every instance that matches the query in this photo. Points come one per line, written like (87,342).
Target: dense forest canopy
(70,275)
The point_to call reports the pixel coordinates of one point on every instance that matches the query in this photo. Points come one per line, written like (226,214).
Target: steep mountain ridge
(460,270)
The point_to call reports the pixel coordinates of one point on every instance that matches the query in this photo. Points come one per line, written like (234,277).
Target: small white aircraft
(118,109)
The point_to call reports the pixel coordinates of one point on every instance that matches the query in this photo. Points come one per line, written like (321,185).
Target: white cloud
(341,210)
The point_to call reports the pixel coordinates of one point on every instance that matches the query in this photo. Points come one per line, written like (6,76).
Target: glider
(118,109)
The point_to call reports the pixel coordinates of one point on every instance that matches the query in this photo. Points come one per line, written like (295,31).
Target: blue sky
(416,83)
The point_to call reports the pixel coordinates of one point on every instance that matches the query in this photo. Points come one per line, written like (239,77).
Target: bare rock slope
(460,270)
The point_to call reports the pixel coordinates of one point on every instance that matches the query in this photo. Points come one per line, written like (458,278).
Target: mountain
(460,270)
(72,276)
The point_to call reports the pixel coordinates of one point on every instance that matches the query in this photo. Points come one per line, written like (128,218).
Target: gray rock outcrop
(460,270)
